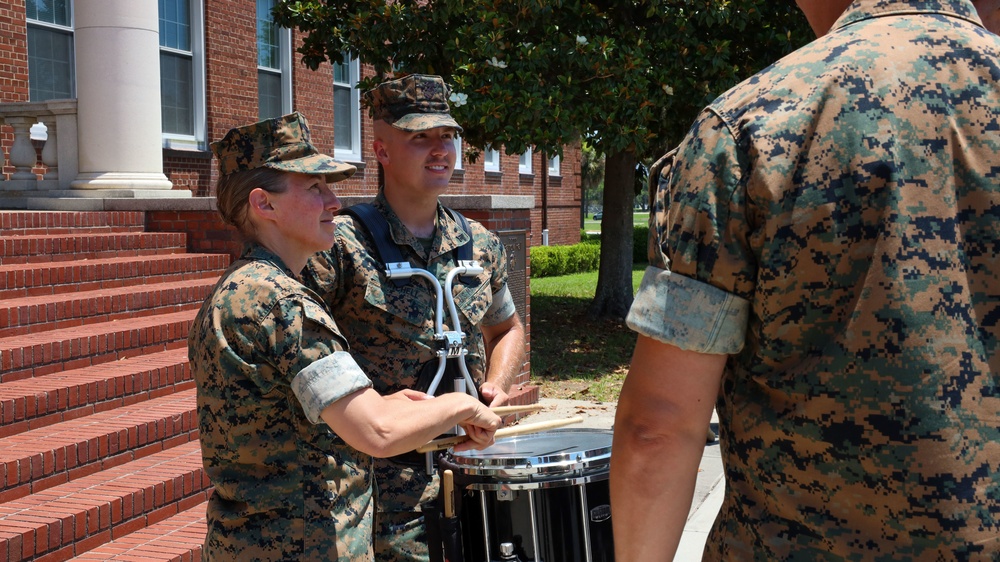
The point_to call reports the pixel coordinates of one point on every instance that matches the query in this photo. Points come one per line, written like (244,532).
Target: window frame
(69,29)
(353,154)
(555,166)
(283,71)
(491,159)
(524,167)
(196,141)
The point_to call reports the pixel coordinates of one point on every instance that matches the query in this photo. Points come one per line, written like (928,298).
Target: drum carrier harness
(451,349)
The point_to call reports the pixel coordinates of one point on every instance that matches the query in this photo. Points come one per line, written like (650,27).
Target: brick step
(176,539)
(35,248)
(27,280)
(66,395)
(16,223)
(39,459)
(76,517)
(34,355)
(53,312)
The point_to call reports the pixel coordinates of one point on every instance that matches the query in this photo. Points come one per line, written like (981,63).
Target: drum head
(555,452)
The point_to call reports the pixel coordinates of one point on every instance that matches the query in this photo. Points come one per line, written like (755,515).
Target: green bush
(549,261)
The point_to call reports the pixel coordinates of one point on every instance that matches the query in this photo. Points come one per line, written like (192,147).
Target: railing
(60,151)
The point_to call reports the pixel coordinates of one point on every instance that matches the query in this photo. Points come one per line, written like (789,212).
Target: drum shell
(557,502)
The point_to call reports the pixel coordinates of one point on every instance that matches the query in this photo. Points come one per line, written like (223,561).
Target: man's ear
(380,152)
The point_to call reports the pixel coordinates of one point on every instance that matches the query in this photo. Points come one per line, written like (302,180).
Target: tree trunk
(614,280)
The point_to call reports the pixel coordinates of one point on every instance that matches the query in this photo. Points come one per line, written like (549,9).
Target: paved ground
(708,490)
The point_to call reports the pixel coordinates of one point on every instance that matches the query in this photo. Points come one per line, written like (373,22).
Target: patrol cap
(416,102)
(281,143)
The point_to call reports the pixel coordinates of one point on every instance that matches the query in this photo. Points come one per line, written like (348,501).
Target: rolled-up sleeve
(327,380)
(689,314)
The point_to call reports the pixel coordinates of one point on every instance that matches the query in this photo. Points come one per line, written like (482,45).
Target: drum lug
(505,495)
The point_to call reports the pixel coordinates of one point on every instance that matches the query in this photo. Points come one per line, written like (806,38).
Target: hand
(480,428)
(493,395)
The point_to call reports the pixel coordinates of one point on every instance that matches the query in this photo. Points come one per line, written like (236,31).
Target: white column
(118,93)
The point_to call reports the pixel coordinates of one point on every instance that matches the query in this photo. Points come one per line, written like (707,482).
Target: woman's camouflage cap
(281,143)
(413,103)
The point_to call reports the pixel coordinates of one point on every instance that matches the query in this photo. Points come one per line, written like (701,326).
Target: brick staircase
(99,456)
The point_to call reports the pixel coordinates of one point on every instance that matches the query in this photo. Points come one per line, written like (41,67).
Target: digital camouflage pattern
(281,143)
(285,489)
(391,329)
(413,103)
(847,198)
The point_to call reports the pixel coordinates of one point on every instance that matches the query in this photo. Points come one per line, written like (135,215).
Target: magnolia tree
(628,76)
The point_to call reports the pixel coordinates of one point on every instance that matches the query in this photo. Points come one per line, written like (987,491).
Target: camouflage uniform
(267,359)
(833,224)
(286,487)
(391,333)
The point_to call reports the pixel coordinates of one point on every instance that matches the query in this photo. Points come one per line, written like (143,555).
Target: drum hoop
(539,484)
(554,463)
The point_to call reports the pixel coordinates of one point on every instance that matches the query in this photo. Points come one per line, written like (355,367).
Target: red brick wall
(232,100)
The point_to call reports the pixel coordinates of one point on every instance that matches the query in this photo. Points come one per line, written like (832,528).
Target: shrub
(549,261)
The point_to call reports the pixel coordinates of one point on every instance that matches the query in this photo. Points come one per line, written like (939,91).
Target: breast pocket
(412,303)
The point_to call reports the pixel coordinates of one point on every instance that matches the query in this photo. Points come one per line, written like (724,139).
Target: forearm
(663,409)
(652,492)
(388,426)
(505,351)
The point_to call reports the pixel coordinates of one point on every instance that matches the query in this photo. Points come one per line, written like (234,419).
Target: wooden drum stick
(448,486)
(505,410)
(448,442)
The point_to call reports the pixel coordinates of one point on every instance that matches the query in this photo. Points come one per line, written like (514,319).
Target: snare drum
(544,493)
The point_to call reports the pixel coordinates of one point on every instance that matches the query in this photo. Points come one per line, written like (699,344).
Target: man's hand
(492,395)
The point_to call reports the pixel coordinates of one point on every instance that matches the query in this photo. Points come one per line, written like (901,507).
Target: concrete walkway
(709,488)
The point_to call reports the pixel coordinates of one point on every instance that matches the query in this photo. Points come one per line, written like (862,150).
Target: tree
(591,178)
(628,76)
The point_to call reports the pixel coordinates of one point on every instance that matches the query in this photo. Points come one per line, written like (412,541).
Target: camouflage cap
(281,143)
(413,103)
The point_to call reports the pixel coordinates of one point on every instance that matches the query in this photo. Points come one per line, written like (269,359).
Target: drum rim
(526,466)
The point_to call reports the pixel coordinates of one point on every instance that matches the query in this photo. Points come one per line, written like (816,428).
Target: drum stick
(447,442)
(448,485)
(505,410)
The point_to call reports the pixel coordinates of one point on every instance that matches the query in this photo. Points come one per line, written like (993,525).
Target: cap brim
(317,164)
(413,122)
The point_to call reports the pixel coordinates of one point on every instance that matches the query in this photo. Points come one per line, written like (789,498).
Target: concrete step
(37,402)
(52,312)
(175,539)
(34,248)
(39,459)
(19,223)
(76,517)
(34,355)
(37,279)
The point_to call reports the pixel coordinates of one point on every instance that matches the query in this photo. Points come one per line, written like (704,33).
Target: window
(182,73)
(50,50)
(346,110)
(554,164)
(491,159)
(524,164)
(458,151)
(274,46)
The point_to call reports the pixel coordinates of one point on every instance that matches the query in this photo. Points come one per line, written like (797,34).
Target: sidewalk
(709,488)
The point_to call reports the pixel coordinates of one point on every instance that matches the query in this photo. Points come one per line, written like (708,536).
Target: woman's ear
(260,203)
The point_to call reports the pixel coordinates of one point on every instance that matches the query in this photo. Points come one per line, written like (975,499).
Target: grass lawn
(572,355)
(639,218)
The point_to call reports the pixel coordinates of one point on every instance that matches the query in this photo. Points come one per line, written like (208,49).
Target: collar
(861,10)
(253,251)
(448,235)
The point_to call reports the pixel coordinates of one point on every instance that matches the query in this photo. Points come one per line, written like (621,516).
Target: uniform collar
(861,10)
(447,236)
(255,252)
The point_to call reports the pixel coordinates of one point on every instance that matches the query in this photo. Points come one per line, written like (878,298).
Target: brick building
(150,84)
